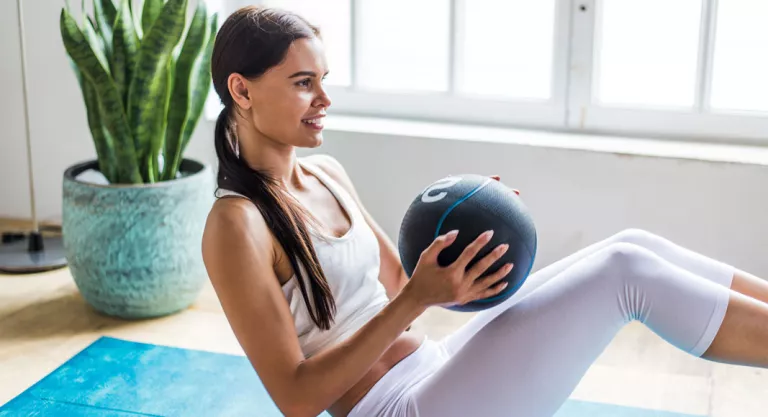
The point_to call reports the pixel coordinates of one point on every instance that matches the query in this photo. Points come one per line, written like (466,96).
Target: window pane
(740,72)
(215,6)
(507,48)
(647,52)
(332,17)
(403,44)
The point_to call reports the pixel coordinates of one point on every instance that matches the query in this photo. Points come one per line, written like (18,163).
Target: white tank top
(351,266)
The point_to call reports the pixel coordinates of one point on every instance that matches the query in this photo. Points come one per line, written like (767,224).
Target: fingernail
(503,248)
(452,233)
(489,233)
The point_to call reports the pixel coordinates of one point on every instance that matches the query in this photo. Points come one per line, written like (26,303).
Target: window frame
(571,107)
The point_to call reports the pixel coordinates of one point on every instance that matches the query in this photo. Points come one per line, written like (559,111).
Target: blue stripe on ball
(454,205)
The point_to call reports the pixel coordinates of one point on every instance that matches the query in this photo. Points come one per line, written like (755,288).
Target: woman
(317,297)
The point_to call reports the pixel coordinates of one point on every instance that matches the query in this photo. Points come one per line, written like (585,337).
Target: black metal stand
(33,252)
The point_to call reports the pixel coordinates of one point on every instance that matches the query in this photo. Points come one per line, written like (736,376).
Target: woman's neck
(264,154)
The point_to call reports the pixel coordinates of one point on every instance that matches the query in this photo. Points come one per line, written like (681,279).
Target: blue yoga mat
(118,378)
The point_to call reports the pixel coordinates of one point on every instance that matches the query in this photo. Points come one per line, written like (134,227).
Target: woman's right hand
(435,285)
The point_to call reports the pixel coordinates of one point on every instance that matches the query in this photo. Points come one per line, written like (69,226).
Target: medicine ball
(471,204)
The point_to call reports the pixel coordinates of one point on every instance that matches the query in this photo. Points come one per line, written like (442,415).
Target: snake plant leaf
(147,86)
(158,140)
(105,13)
(96,42)
(197,36)
(112,116)
(76,70)
(201,86)
(136,7)
(125,50)
(103,143)
(107,49)
(105,151)
(149,14)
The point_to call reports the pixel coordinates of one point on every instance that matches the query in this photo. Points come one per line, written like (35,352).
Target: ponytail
(285,218)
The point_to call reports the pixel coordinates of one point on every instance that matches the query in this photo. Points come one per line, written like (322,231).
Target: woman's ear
(238,89)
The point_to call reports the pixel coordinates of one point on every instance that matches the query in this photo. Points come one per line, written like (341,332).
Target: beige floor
(44,321)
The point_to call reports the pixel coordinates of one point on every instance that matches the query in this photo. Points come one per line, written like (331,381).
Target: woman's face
(288,102)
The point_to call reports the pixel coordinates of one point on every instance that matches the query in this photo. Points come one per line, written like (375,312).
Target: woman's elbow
(300,403)
(299,407)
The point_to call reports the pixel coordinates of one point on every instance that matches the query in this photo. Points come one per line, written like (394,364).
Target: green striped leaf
(103,144)
(105,13)
(136,7)
(158,140)
(196,39)
(201,86)
(107,49)
(147,87)
(111,109)
(149,14)
(125,50)
(96,43)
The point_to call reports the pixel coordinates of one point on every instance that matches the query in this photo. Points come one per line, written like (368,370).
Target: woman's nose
(323,99)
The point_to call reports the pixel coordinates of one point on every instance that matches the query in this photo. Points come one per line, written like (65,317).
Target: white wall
(577,197)
(14,194)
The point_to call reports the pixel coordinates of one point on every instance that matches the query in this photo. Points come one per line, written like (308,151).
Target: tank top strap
(223,192)
(345,198)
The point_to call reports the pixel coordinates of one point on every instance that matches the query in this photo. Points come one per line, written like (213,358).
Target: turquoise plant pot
(134,251)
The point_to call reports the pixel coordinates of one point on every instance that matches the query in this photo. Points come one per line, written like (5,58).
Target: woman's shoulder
(232,218)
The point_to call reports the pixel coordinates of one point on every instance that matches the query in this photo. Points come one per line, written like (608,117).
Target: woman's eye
(304,83)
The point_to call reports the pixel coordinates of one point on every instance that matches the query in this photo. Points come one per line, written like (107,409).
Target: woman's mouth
(314,123)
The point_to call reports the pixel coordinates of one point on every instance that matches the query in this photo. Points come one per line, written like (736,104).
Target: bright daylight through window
(689,68)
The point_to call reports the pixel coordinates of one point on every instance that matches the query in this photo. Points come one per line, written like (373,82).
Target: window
(740,76)
(642,65)
(332,17)
(688,68)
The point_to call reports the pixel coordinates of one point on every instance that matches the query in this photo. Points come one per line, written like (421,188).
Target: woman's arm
(391,274)
(239,254)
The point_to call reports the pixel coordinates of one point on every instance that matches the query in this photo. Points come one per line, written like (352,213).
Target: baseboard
(23,225)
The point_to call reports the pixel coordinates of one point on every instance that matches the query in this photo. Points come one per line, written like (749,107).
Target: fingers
(472,249)
(441,242)
(483,264)
(484,285)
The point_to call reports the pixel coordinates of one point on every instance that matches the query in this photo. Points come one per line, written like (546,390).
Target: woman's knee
(625,260)
(637,237)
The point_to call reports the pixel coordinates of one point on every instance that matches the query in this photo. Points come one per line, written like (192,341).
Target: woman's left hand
(498,178)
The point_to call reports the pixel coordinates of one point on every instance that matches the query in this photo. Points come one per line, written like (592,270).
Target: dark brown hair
(252,40)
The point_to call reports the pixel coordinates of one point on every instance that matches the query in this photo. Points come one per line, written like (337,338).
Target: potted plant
(133,241)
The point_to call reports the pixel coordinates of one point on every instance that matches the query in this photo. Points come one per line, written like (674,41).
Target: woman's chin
(316,140)
(313,141)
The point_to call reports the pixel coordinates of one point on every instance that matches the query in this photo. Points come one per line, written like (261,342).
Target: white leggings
(524,357)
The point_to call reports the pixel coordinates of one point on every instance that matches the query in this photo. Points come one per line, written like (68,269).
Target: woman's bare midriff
(403,346)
